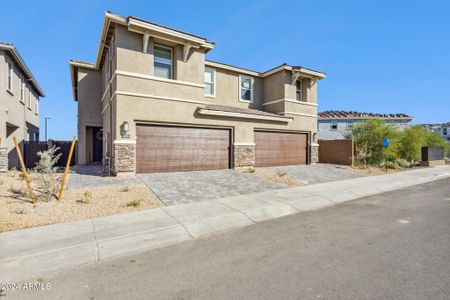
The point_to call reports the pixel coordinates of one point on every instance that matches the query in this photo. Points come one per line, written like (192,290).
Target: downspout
(110,118)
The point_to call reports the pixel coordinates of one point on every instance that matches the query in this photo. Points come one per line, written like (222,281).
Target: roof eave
(12,49)
(74,65)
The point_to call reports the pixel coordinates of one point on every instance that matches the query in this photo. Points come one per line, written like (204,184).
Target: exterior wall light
(124,128)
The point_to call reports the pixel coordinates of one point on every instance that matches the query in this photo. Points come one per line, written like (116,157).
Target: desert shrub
(46,167)
(369,136)
(281,174)
(85,198)
(134,203)
(414,138)
(250,170)
(125,189)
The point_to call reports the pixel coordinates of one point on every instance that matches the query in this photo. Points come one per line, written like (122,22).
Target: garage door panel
(280,148)
(168,148)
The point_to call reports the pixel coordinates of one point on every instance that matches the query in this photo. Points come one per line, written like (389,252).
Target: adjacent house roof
(12,50)
(339,114)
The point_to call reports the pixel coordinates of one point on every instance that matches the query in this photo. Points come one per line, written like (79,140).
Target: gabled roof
(22,65)
(340,114)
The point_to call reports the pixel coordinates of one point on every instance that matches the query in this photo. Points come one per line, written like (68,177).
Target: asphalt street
(391,246)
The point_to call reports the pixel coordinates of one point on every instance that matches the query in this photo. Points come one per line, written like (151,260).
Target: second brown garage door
(280,148)
(170,148)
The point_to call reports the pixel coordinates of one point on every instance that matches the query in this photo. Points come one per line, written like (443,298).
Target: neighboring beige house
(19,104)
(151,102)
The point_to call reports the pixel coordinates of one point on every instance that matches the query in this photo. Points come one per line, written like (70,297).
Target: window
(334,125)
(29,98)
(444,131)
(10,77)
(298,90)
(210,78)
(36,105)
(349,125)
(246,88)
(162,61)
(22,90)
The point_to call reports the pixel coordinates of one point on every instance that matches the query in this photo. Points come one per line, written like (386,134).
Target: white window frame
(36,106)
(213,70)
(22,90)
(9,77)
(252,90)
(350,124)
(334,122)
(301,90)
(171,60)
(29,98)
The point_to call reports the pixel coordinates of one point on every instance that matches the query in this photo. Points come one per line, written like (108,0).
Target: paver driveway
(184,187)
(317,173)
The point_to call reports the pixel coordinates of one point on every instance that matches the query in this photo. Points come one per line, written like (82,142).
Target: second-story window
(22,90)
(210,78)
(298,90)
(29,98)
(10,77)
(162,61)
(350,124)
(246,88)
(36,105)
(334,125)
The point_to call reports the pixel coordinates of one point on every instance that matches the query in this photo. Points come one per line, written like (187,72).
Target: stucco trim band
(150,77)
(290,100)
(299,114)
(244,144)
(124,142)
(157,97)
(243,116)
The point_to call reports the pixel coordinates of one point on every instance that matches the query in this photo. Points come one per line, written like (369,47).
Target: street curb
(40,251)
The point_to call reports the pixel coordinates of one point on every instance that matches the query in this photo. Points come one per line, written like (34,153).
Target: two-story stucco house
(152,102)
(334,124)
(19,103)
(441,129)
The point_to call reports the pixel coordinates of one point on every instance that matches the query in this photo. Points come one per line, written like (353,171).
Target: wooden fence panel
(31,148)
(336,152)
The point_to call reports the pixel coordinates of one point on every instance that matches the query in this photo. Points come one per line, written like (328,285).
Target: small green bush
(281,174)
(251,170)
(134,203)
(86,198)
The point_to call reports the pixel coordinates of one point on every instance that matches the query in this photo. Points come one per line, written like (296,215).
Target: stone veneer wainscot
(124,160)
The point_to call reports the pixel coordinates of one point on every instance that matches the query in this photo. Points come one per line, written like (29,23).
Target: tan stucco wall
(14,111)
(89,109)
(136,96)
(227,90)
(274,86)
(135,110)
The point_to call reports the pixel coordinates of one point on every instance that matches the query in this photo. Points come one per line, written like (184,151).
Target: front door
(97,144)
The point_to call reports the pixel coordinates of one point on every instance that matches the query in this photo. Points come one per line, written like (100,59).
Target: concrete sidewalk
(30,253)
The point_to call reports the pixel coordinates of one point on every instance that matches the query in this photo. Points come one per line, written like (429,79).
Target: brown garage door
(168,148)
(280,148)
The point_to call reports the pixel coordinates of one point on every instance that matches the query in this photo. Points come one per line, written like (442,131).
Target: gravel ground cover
(17,211)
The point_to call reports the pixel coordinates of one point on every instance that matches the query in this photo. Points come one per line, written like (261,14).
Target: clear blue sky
(380,56)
